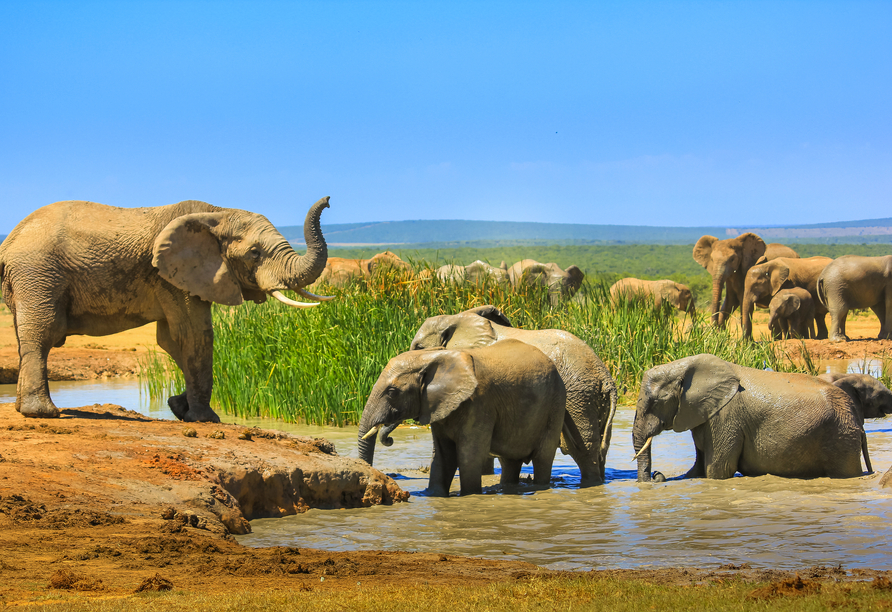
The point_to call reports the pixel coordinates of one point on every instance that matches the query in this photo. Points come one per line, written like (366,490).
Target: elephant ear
(703,250)
(491,313)
(188,256)
(448,380)
(752,248)
(576,276)
(708,384)
(779,276)
(790,304)
(761,260)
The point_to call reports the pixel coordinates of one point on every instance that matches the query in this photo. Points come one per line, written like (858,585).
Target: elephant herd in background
(799,292)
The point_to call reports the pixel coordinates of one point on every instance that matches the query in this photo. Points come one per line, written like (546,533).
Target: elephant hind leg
(37,331)
(510,471)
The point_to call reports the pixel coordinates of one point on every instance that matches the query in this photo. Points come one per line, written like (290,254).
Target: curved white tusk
(372,432)
(313,296)
(278,295)
(644,448)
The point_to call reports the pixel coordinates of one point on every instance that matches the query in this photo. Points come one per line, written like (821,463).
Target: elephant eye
(254,253)
(391,392)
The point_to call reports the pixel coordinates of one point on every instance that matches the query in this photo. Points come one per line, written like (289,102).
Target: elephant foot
(179,406)
(32,407)
(839,338)
(201,415)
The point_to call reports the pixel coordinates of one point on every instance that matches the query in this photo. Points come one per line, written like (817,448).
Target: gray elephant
(728,261)
(851,282)
(791,314)
(84,268)
(477,273)
(505,400)
(561,284)
(591,391)
(659,291)
(765,280)
(749,421)
(872,399)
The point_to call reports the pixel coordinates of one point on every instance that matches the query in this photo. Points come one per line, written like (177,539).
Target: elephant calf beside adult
(505,400)
(765,280)
(851,282)
(791,314)
(75,268)
(591,391)
(749,421)
(728,261)
(658,291)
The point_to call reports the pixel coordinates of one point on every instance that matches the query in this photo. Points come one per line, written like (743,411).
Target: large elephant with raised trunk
(750,421)
(505,400)
(728,261)
(84,268)
(765,280)
(591,391)
(854,281)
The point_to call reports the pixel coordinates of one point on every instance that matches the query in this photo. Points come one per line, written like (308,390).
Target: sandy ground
(104,499)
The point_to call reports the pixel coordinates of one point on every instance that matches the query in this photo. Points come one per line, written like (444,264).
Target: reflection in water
(765,521)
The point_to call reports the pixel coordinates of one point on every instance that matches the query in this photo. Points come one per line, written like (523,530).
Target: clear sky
(627,112)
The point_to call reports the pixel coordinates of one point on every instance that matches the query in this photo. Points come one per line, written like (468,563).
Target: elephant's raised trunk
(303,270)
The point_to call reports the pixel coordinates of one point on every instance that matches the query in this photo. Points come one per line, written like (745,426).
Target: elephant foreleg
(882,310)
(470,468)
(698,470)
(191,345)
(443,466)
(510,471)
(38,329)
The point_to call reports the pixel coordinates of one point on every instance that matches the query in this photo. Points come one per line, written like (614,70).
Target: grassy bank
(564,593)
(319,365)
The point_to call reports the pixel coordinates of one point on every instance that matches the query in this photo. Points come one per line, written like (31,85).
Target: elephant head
(727,261)
(384,261)
(469,329)
(230,255)
(678,295)
(561,284)
(426,386)
(680,396)
(873,400)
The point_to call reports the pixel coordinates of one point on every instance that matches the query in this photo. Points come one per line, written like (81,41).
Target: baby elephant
(658,290)
(504,400)
(792,314)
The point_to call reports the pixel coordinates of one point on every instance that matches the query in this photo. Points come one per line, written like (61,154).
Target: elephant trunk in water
(642,452)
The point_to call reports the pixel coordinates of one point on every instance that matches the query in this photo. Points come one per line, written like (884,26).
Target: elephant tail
(608,427)
(819,289)
(864,451)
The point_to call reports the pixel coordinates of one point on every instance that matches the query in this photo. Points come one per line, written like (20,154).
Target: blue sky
(643,113)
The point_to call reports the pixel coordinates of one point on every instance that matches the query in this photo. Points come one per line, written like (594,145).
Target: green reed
(319,365)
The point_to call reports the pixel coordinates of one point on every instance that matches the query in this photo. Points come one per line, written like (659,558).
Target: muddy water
(767,521)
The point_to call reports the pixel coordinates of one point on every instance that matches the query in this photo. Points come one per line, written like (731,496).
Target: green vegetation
(319,365)
(578,592)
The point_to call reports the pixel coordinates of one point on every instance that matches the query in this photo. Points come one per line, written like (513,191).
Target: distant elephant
(340,271)
(750,421)
(561,284)
(728,262)
(475,273)
(591,391)
(872,399)
(677,294)
(766,279)
(851,282)
(791,314)
(505,400)
(83,268)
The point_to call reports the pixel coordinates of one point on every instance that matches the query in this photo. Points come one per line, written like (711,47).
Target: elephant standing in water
(749,421)
(505,400)
(677,294)
(591,391)
(84,268)
(853,281)
(728,261)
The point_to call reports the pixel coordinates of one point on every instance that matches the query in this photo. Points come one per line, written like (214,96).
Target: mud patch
(790,587)
(72,581)
(154,583)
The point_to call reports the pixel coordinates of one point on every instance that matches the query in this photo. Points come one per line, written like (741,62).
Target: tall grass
(318,365)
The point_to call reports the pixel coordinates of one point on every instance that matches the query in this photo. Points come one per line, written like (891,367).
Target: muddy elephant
(728,261)
(750,421)
(84,268)
(591,391)
(763,281)
(477,273)
(505,400)
(791,314)
(561,284)
(659,291)
(340,271)
(851,282)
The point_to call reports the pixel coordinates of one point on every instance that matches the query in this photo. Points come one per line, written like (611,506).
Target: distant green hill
(487,234)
